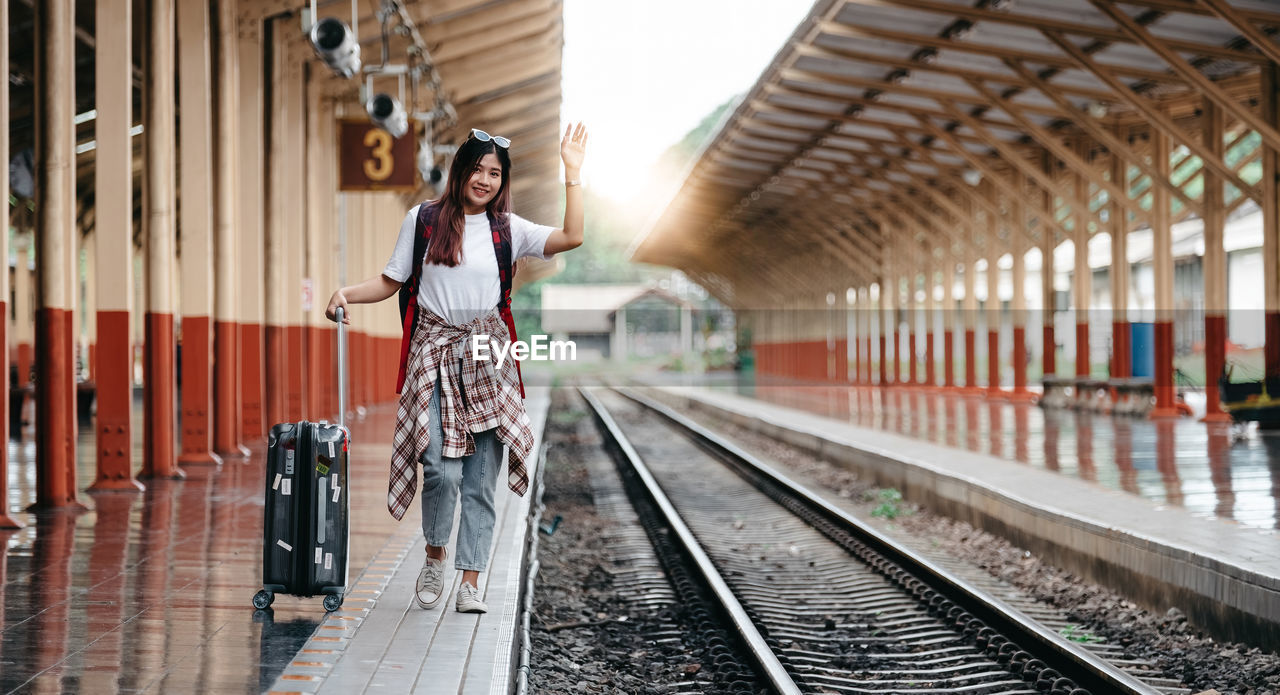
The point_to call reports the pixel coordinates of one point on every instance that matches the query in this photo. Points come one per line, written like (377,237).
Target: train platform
(150,591)
(1223,573)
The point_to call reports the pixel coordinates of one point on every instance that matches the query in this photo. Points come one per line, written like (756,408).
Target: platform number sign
(369,159)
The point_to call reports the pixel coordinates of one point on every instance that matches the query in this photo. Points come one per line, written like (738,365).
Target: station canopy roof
(498,63)
(883,125)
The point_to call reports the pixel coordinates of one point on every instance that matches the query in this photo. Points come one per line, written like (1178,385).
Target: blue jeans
(475,476)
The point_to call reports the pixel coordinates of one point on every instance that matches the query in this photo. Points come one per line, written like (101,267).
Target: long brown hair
(446,239)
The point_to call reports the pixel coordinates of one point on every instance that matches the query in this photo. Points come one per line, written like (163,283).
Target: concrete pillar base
(1216,417)
(9,523)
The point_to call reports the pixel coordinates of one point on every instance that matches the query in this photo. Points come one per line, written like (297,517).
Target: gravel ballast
(1181,652)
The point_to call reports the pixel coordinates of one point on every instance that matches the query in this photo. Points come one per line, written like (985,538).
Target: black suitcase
(306,520)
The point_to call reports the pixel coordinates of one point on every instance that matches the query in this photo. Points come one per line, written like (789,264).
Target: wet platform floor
(1212,470)
(150,591)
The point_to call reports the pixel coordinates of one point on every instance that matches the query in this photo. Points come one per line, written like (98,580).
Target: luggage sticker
(331,453)
(284,545)
(286,486)
(322,466)
(319,553)
(276,484)
(336,490)
(328,560)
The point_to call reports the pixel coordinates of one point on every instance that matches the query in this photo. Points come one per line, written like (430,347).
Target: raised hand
(573,149)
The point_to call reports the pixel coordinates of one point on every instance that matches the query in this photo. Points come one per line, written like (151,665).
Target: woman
(456,412)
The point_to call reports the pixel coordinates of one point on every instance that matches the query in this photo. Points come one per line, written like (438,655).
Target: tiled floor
(151,590)
(1211,470)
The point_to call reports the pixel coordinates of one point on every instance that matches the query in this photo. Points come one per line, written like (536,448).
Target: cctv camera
(386,112)
(336,46)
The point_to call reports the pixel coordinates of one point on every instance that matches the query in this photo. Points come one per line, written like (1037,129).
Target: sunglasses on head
(498,140)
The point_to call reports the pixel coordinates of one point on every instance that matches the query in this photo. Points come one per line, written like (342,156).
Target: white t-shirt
(471,288)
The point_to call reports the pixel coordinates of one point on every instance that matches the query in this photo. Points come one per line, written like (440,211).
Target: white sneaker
(469,600)
(430,582)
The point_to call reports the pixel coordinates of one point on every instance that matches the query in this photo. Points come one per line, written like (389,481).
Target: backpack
(500,226)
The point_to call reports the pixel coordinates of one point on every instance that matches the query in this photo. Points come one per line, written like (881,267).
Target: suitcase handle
(342,368)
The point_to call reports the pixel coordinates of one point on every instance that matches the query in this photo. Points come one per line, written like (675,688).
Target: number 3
(379,168)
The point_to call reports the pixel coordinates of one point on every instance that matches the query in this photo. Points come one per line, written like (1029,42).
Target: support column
(6,521)
(948,321)
(854,331)
(1162,264)
(1121,333)
(930,317)
(885,309)
(1018,212)
(196,221)
(55,234)
(227,414)
(970,323)
(896,316)
(23,313)
(1048,243)
(1081,278)
(113,246)
(88,343)
(250,218)
(295,221)
(1269,102)
(913,327)
(315,237)
(279,173)
(993,323)
(159,460)
(1215,268)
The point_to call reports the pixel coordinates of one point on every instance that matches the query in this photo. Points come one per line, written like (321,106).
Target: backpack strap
(409,290)
(500,226)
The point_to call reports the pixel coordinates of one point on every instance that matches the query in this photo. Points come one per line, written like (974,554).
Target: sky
(642,74)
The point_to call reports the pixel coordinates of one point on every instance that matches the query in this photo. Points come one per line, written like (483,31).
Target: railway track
(816,600)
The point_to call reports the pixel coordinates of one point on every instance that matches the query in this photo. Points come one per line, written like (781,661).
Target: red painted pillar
(970,359)
(115,402)
(897,354)
(226,391)
(911,340)
(857,355)
(1050,347)
(949,358)
(276,382)
(159,409)
(930,369)
(158,405)
(197,396)
(884,363)
(1082,349)
(56,239)
(1020,363)
(6,521)
(866,352)
(1272,349)
(229,276)
(1165,388)
(1120,349)
(993,362)
(251,364)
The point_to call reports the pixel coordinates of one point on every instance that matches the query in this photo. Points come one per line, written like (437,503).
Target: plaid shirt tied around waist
(440,349)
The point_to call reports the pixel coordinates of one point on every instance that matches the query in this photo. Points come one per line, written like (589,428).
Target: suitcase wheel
(332,602)
(263,598)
